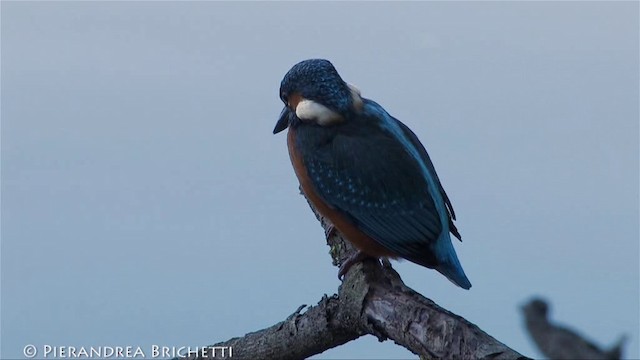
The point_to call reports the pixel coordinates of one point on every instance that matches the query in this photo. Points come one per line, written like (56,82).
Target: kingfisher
(366,172)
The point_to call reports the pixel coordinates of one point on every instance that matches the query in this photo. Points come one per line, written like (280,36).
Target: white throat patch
(309,110)
(356,96)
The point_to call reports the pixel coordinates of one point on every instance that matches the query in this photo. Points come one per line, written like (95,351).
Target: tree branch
(371,300)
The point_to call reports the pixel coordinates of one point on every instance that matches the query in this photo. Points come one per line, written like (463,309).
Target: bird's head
(313,92)
(536,308)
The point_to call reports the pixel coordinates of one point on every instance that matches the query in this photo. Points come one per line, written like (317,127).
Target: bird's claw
(350,261)
(330,231)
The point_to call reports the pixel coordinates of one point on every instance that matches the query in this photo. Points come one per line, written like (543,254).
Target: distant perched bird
(557,342)
(366,172)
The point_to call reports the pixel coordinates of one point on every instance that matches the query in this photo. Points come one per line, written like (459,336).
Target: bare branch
(371,300)
(319,328)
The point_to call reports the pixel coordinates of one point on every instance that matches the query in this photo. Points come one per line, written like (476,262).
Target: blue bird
(366,172)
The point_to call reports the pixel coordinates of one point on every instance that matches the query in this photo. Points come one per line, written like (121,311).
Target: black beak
(283,121)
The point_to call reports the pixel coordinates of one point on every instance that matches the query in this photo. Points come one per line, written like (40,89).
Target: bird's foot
(350,261)
(330,231)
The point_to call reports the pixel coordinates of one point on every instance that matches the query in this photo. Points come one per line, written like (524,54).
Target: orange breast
(359,239)
(293,100)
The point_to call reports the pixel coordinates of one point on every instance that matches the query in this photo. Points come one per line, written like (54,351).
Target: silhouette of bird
(366,172)
(558,342)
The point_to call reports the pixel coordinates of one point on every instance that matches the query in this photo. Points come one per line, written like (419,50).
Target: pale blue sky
(145,200)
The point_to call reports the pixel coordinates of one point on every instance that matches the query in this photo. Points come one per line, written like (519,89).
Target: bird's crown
(314,91)
(317,80)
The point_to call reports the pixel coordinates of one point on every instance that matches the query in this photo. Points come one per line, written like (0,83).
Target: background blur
(145,200)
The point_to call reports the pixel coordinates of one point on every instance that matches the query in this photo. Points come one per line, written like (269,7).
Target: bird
(366,172)
(559,342)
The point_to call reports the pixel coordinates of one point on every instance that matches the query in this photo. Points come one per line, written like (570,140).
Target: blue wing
(451,215)
(368,175)
(373,170)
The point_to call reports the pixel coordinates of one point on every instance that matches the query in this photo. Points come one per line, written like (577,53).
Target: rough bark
(371,300)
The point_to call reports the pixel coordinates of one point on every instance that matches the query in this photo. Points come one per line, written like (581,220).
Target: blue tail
(449,265)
